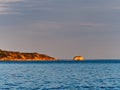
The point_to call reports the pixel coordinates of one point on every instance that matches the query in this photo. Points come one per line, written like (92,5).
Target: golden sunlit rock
(78,58)
(18,56)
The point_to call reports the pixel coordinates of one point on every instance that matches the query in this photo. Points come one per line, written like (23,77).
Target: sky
(61,28)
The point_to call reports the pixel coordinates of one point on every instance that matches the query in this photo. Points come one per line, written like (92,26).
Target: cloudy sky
(61,28)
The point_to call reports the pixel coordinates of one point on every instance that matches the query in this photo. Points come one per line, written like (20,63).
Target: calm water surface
(60,76)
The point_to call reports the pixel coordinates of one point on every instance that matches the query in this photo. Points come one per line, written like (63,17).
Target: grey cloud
(5,7)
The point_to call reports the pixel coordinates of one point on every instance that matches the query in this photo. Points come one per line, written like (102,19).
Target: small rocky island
(20,56)
(80,58)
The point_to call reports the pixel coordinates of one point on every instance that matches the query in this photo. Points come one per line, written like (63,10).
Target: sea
(60,75)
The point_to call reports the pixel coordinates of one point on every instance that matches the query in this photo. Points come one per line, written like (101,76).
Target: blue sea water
(61,75)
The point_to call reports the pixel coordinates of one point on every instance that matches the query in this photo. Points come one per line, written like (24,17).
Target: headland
(22,56)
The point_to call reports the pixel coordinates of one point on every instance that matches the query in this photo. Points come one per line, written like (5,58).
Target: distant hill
(20,56)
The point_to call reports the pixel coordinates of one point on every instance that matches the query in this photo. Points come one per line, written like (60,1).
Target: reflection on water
(55,76)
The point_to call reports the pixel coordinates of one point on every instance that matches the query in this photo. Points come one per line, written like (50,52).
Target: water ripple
(59,76)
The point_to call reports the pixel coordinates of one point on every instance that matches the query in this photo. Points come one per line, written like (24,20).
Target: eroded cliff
(19,56)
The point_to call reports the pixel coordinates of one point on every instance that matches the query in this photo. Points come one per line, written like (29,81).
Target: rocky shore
(20,56)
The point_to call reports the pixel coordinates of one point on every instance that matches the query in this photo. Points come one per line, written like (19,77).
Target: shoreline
(64,61)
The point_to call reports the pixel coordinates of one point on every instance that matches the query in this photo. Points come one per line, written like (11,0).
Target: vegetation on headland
(20,56)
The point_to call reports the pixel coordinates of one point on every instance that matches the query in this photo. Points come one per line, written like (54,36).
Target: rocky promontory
(21,56)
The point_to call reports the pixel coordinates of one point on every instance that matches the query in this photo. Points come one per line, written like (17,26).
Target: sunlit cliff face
(78,58)
(10,55)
